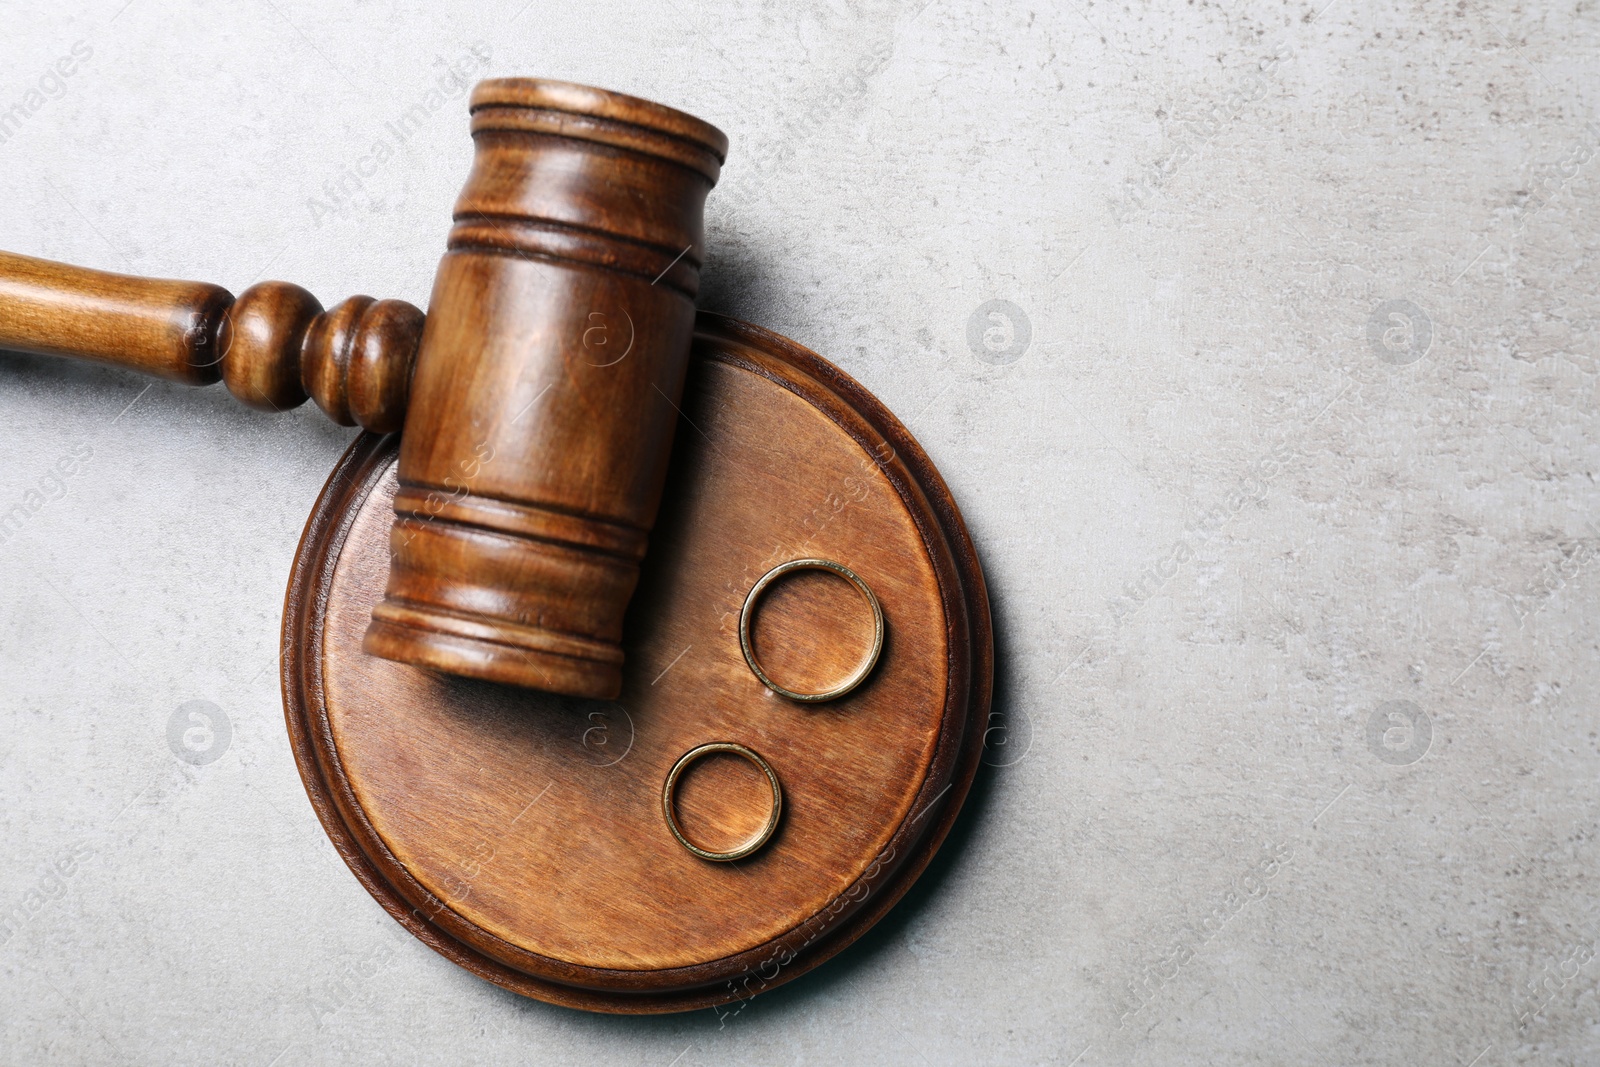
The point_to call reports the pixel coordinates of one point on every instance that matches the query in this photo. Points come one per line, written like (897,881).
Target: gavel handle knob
(273,346)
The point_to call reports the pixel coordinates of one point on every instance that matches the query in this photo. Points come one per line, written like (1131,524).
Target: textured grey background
(1280,452)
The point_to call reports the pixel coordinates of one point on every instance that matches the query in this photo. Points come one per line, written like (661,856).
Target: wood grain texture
(165,328)
(539,398)
(273,346)
(545,399)
(521,834)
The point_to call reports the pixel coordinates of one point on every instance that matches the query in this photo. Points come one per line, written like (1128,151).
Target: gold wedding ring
(844,572)
(669,792)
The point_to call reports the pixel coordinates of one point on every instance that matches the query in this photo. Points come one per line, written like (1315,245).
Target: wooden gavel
(538,400)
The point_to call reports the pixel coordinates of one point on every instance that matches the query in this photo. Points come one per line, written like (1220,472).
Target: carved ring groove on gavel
(533,458)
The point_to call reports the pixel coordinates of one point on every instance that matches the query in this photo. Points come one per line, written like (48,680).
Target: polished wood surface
(546,391)
(522,835)
(166,328)
(539,400)
(499,539)
(273,346)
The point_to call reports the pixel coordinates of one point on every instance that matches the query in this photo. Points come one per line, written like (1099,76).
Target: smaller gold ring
(844,572)
(671,788)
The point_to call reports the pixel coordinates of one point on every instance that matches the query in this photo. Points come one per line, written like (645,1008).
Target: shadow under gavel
(538,399)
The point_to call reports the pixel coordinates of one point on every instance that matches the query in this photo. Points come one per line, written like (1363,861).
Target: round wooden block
(523,835)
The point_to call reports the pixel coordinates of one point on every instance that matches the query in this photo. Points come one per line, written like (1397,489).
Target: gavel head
(546,389)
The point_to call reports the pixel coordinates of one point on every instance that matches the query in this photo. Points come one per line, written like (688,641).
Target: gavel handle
(273,346)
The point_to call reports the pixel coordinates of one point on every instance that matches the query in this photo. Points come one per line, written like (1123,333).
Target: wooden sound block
(523,835)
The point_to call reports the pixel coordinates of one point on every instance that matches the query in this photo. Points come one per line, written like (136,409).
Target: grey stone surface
(1257,342)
